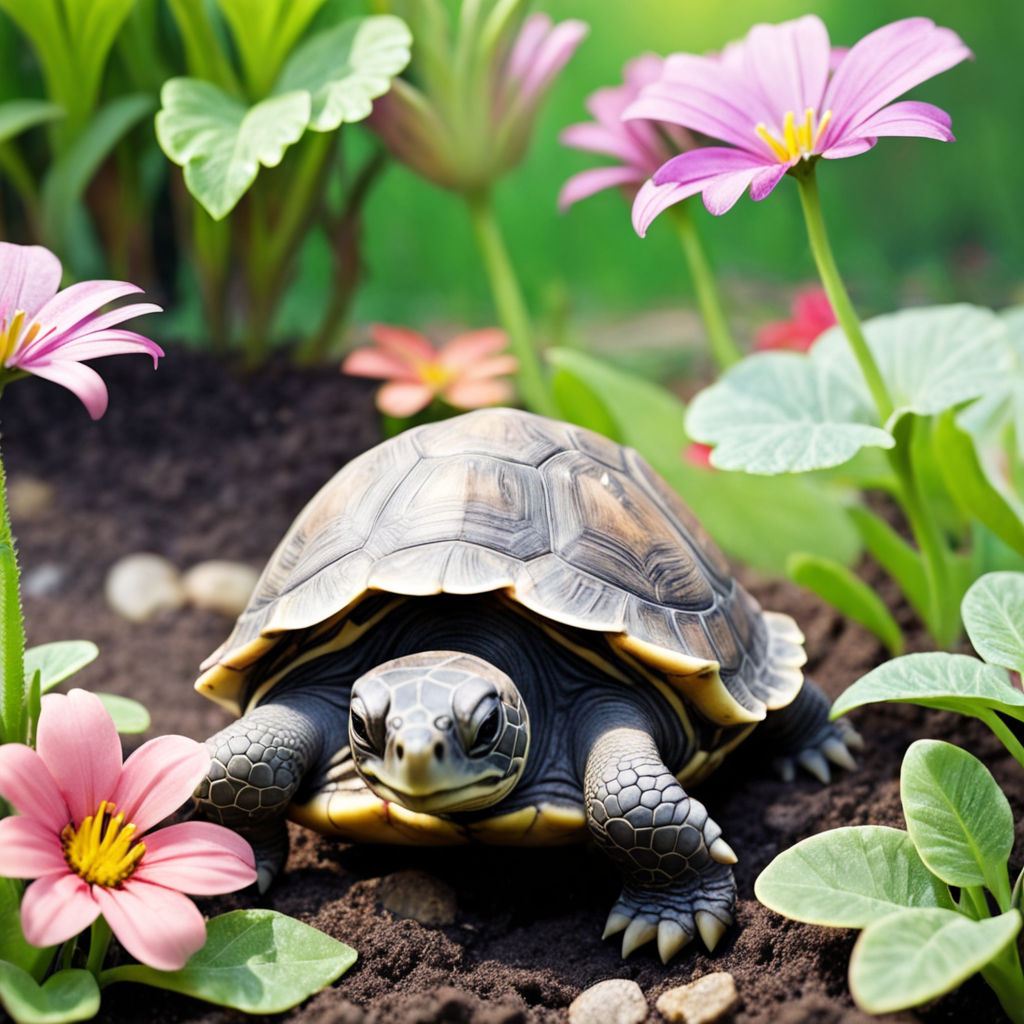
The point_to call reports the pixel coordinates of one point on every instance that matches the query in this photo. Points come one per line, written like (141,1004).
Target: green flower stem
(99,942)
(12,628)
(1005,734)
(723,348)
(508,299)
(1004,976)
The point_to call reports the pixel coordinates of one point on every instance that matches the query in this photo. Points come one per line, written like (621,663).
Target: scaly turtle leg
(674,862)
(257,764)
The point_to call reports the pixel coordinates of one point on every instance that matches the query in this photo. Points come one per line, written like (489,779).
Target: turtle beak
(416,761)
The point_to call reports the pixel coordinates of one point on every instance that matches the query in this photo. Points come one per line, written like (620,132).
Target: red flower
(812,316)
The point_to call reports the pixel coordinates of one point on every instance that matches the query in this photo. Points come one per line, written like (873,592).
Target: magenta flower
(83,832)
(775,99)
(463,371)
(641,146)
(812,316)
(50,334)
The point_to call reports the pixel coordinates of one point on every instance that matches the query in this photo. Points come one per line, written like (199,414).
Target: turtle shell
(569,525)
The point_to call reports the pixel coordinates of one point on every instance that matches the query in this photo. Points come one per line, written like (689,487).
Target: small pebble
(420,896)
(43,580)
(28,497)
(143,585)
(220,586)
(708,999)
(615,1001)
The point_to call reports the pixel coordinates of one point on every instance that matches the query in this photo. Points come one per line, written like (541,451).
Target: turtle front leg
(257,764)
(675,864)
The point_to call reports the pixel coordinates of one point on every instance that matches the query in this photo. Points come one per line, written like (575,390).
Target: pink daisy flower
(83,832)
(49,333)
(463,372)
(777,101)
(812,316)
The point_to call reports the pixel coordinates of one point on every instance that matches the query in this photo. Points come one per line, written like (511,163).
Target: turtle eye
(487,732)
(360,729)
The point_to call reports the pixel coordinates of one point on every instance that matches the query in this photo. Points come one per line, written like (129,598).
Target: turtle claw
(617,921)
(839,753)
(671,938)
(639,933)
(784,768)
(813,761)
(721,851)
(710,927)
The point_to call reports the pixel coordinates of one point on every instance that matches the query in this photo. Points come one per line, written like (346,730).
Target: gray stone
(220,586)
(28,497)
(615,1001)
(704,1001)
(141,586)
(420,896)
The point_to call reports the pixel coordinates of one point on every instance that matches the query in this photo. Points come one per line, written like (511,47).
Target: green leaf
(220,142)
(577,403)
(847,592)
(957,815)
(849,877)
(934,679)
(346,67)
(931,359)
(901,561)
(968,483)
(129,715)
(57,661)
(993,612)
(17,116)
(780,412)
(908,958)
(65,996)
(69,176)
(257,961)
(14,947)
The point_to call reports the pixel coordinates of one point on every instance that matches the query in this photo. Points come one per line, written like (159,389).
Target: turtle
(503,628)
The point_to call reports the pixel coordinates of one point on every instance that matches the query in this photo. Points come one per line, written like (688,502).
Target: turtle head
(438,732)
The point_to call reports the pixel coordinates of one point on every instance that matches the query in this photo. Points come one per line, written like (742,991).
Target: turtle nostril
(439,750)
(400,750)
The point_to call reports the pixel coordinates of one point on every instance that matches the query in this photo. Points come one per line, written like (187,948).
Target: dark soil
(195,463)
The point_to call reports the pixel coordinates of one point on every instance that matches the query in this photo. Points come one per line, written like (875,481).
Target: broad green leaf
(220,142)
(577,403)
(968,483)
(17,116)
(14,947)
(934,679)
(958,817)
(846,591)
(757,520)
(931,359)
(911,957)
(901,561)
(129,715)
(780,412)
(57,661)
(69,176)
(849,877)
(346,67)
(993,611)
(65,996)
(257,961)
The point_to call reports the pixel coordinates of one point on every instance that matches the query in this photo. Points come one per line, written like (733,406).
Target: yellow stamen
(101,850)
(796,141)
(435,375)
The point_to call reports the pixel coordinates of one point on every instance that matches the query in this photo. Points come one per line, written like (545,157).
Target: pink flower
(462,371)
(779,98)
(640,146)
(697,454)
(83,832)
(812,316)
(49,334)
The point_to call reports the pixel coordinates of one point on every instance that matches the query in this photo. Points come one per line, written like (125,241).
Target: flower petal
(884,65)
(78,741)
(373,362)
(79,302)
(83,381)
(403,343)
(599,138)
(907,118)
(158,778)
(476,394)
(597,179)
(790,63)
(550,57)
(765,180)
(722,174)
(197,857)
(497,366)
(158,926)
(29,277)
(721,193)
(472,347)
(652,199)
(95,345)
(55,908)
(26,783)
(29,849)
(401,399)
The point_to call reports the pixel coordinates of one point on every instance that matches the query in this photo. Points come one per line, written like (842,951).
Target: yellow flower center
(435,375)
(101,850)
(11,338)
(797,140)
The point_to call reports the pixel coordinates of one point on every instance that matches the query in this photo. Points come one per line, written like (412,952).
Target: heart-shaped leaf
(345,68)
(65,996)
(781,412)
(849,877)
(220,142)
(56,661)
(908,958)
(129,715)
(934,679)
(993,612)
(257,961)
(958,817)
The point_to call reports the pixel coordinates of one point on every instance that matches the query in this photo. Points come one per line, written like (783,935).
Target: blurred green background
(912,220)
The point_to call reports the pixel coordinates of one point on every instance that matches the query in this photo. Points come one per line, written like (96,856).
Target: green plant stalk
(926,533)
(1004,976)
(12,628)
(508,298)
(99,942)
(1005,734)
(723,348)
(212,248)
